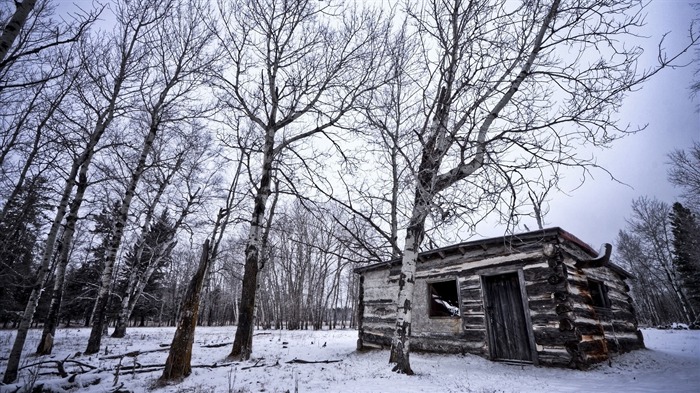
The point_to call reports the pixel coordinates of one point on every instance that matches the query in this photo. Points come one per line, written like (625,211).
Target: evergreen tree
(19,232)
(686,254)
(81,282)
(150,250)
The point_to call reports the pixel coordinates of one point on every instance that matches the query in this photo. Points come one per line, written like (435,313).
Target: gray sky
(596,211)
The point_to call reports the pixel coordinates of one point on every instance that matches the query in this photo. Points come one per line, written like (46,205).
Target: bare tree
(183,62)
(647,247)
(13,65)
(685,173)
(385,127)
(173,73)
(500,96)
(177,365)
(13,27)
(19,42)
(297,68)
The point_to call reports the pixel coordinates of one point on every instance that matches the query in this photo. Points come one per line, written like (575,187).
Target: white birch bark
(116,235)
(14,26)
(82,163)
(429,182)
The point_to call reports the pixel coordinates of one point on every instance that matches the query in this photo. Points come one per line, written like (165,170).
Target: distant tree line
(661,247)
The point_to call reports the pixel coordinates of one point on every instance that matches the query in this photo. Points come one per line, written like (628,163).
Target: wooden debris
(257,364)
(302,361)
(133,354)
(218,345)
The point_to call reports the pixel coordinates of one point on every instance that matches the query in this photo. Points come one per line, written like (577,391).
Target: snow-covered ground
(670,364)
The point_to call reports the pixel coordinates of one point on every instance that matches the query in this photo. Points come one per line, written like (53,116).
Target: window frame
(599,287)
(430,284)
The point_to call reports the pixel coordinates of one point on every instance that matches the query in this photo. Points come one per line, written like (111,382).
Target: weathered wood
(541,305)
(555,337)
(557,307)
(178,363)
(536,274)
(471,294)
(508,338)
(134,354)
(472,308)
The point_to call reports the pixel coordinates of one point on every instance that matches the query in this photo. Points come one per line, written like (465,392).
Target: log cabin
(542,297)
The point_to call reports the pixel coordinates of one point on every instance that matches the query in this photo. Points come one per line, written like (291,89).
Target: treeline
(661,247)
(307,281)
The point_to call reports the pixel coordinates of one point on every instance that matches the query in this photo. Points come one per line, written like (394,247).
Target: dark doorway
(508,330)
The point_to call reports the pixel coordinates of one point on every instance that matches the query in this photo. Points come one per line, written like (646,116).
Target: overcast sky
(596,211)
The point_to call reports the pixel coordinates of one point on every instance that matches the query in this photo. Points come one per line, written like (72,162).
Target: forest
(271,147)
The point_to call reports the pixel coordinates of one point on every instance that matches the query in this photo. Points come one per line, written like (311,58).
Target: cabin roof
(515,239)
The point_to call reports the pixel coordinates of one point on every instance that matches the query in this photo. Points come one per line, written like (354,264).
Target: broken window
(444,300)
(599,293)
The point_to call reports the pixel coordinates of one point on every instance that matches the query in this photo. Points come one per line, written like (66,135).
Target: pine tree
(19,233)
(686,255)
(142,272)
(80,291)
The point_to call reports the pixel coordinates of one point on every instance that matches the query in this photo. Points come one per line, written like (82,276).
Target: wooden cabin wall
(550,312)
(378,305)
(442,334)
(565,325)
(619,322)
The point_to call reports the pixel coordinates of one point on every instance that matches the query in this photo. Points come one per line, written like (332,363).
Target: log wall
(567,331)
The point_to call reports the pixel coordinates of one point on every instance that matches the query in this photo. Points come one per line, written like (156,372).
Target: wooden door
(508,329)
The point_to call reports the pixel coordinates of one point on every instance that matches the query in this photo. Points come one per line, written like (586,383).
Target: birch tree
(13,27)
(297,69)
(17,71)
(177,45)
(509,86)
(191,160)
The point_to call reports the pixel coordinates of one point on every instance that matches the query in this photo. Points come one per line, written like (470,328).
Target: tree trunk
(125,309)
(45,347)
(14,26)
(400,345)
(115,241)
(179,358)
(28,315)
(242,343)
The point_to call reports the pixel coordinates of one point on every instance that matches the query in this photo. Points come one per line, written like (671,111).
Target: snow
(671,363)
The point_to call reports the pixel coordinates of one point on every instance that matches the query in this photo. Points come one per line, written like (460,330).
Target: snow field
(670,364)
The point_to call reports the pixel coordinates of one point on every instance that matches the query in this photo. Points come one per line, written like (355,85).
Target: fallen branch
(254,366)
(60,366)
(63,384)
(133,354)
(149,368)
(215,365)
(217,345)
(302,361)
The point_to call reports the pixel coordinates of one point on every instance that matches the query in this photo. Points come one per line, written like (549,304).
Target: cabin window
(599,293)
(444,300)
